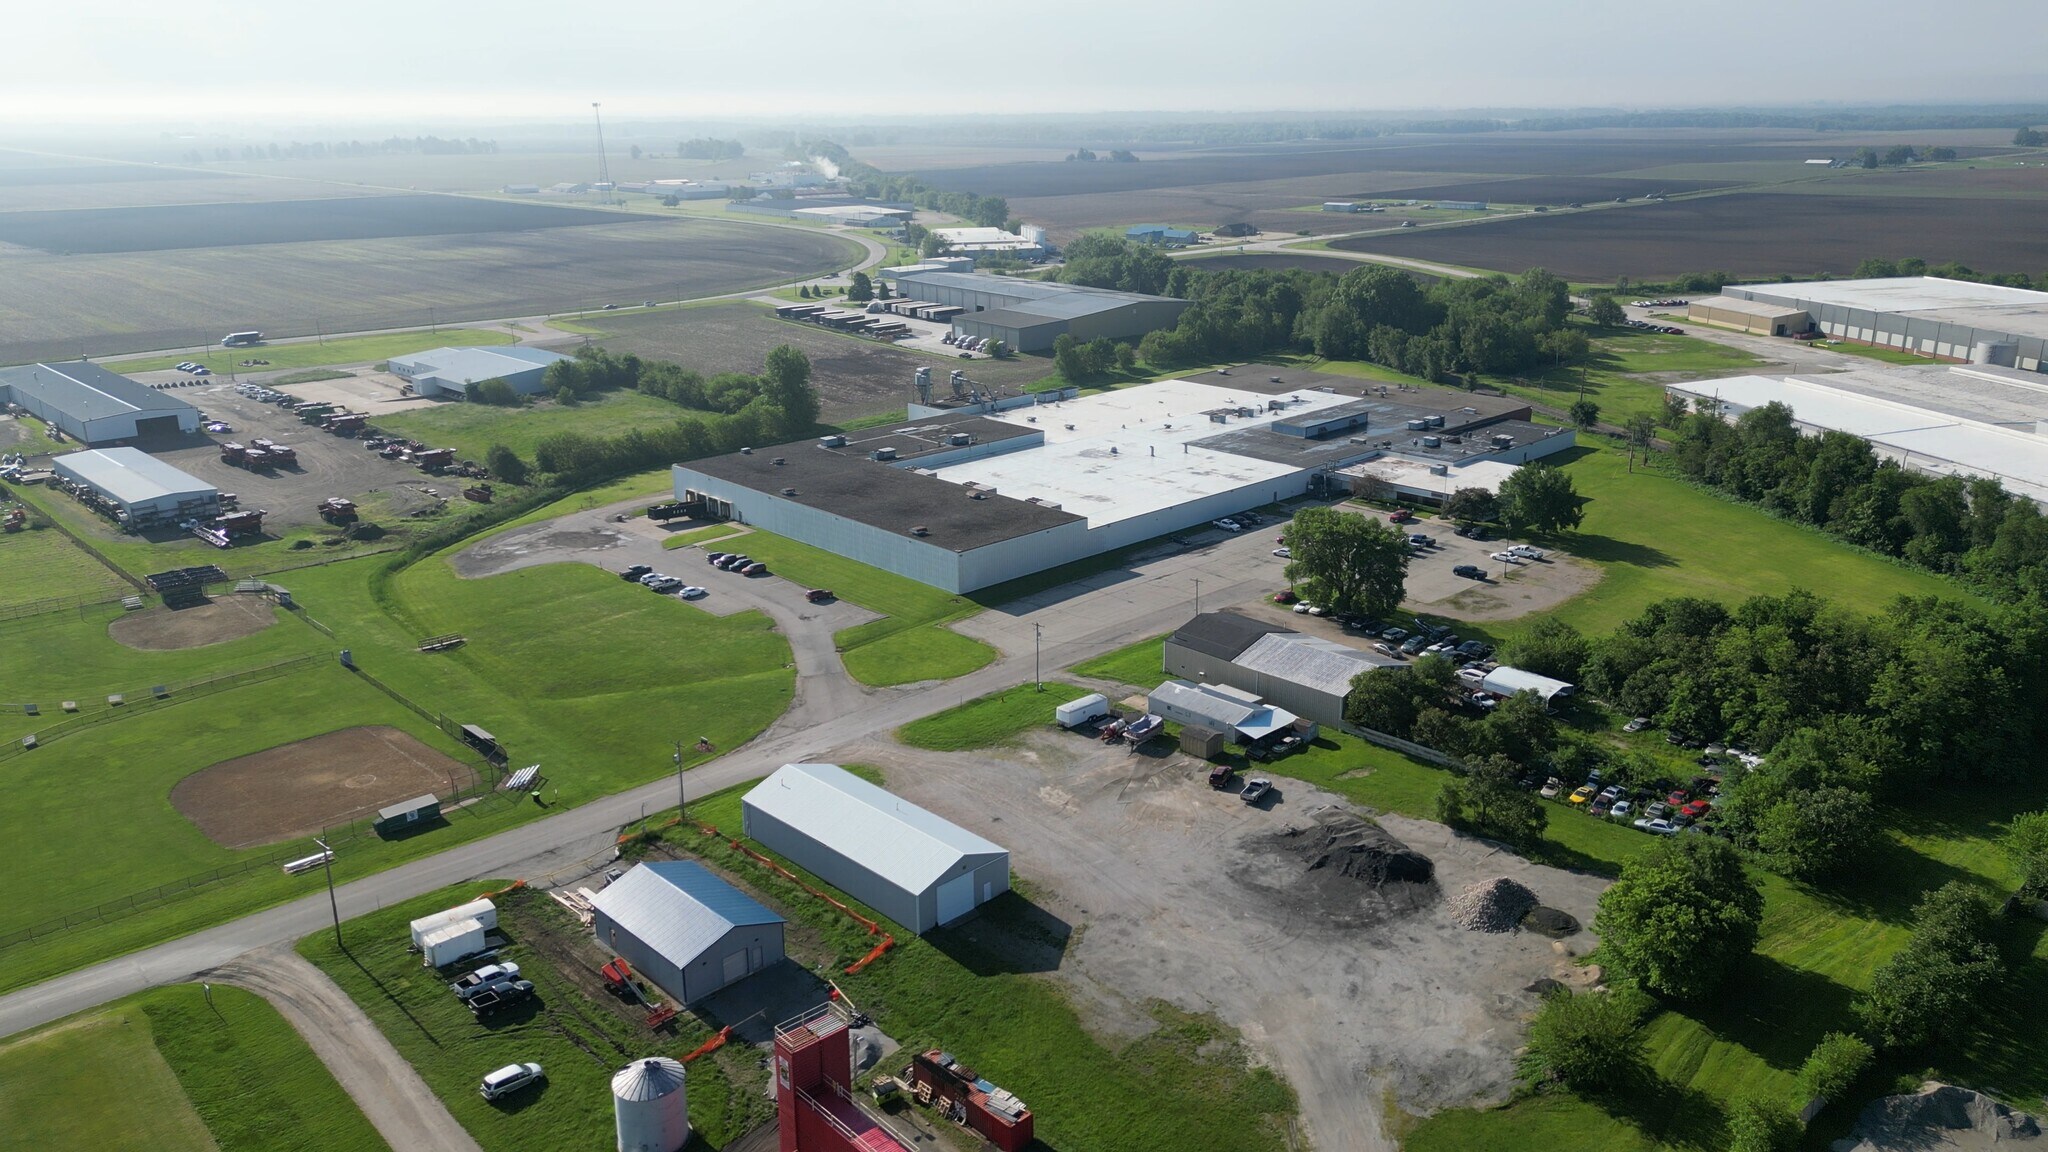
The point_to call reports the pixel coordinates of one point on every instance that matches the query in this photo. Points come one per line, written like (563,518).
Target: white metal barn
(686,929)
(914,867)
(93,405)
(142,489)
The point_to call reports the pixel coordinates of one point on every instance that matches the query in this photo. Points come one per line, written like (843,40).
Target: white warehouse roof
(129,475)
(1310,661)
(891,837)
(1990,306)
(1506,681)
(475,365)
(679,908)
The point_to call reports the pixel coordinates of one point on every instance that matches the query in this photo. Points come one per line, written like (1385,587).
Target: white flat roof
(1417,475)
(1937,441)
(1130,451)
(2015,310)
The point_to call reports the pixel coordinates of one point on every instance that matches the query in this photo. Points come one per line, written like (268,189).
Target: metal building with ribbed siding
(681,926)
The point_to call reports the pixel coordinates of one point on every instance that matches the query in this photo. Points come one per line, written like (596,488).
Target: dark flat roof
(844,482)
(1224,635)
(914,438)
(1386,429)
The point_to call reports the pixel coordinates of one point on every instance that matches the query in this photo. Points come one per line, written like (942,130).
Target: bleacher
(185,587)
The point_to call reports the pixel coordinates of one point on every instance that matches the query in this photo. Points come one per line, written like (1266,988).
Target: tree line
(710,148)
(1970,528)
(343,149)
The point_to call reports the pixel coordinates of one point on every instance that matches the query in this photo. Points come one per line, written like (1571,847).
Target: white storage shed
(482,911)
(451,942)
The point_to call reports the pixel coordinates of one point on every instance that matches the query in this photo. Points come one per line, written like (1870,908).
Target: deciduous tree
(2026,844)
(1585,413)
(1590,1041)
(1680,916)
(1934,986)
(1605,310)
(862,289)
(505,464)
(1346,562)
(1539,497)
(1471,506)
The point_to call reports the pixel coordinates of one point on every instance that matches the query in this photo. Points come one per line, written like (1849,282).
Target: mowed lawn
(44,564)
(1657,537)
(471,429)
(169,1071)
(911,644)
(1628,370)
(318,353)
(991,720)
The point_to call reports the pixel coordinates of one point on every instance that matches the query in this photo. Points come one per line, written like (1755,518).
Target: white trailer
(1075,713)
(451,942)
(482,911)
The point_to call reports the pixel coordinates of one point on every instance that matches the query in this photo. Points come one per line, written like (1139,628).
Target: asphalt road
(1077,622)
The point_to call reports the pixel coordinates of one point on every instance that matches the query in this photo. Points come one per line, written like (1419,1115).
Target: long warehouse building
(1028,315)
(93,405)
(141,490)
(1953,320)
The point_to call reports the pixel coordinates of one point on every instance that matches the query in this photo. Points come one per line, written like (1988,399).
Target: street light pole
(682,796)
(327,866)
(1037,683)
(1198,596)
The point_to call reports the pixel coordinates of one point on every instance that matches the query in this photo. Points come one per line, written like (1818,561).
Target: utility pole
(1037,683)
(604,165)
(682,795)
(327,865)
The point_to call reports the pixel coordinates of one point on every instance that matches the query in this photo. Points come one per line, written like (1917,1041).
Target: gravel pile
(1495,905)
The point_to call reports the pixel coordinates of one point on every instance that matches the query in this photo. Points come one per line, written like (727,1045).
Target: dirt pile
(1495,905)
(1550,922)
(1340,868)
(1939,1116)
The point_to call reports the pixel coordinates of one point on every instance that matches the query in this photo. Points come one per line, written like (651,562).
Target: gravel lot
(1187,894)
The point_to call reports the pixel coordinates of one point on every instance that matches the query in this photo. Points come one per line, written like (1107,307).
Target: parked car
(1255,790)
(693,592)
(1637,724)
(1697,809)
(754,569)
(499,996)
(1600,805)
(1583,794)
(1656,810)
(1469,571)
(1284,552)
(1484,701)
(1622,810)
(1414,645)
(488,974)
(715,557)
(1394,635)
(648,578)
(1219,776)
(1551,788)
(1386,649)
(1504,558)
(666,585)
(1227,525)
(1527,552)
(1283,596)
(512,1077)
(819,595)
(1656,827)
(636,571)
(1302,607)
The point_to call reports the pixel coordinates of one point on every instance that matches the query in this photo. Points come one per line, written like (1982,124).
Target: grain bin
(652,1109)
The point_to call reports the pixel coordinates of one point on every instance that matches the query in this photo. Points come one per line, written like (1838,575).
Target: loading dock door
(735,966)
(956,898)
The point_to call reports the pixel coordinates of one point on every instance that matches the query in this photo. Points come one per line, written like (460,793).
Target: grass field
(44,564)
(1628,370)
(989,721)
(579,1043)
(183,1074)
(1656,537)
(704,535)
(911,644)
(471,429)
(1137,665)
(316,353)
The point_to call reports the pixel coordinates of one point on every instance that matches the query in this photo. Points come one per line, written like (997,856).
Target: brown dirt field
(165,629)
(1749,235)
(299,788)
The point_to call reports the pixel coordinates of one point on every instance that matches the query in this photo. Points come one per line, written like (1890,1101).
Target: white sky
(251,61)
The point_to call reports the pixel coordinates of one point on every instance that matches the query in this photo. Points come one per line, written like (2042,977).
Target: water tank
(1999,353)
(651,1106)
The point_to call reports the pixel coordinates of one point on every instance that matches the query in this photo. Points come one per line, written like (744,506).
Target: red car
(818,595)
(1284,597)
(1677,798)
(1697,809)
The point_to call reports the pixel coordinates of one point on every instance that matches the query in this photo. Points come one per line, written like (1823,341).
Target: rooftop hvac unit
(1417,425)
(1439,469)
(1435,421)
(1432,441)
(832,442)
(882,454)
(960,438)
(920,530)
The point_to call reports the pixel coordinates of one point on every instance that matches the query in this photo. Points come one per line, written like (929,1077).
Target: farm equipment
(314,412)
(477,493)
(223,531)
(345,423)
(434,461)
(338,511)
(15,521)
(277,455)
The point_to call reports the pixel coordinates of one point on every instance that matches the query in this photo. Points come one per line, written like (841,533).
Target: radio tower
(604,165)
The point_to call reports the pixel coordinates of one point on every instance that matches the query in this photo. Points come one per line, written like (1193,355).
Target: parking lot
(329,465)
(1181,892)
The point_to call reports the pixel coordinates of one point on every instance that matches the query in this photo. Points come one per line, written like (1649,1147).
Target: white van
(509,1079)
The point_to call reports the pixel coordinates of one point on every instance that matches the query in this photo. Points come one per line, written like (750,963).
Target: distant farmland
(157,228)
(142,301)
(1749,235)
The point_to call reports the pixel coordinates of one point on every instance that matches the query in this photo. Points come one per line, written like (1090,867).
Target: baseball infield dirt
(299,788)
(162,629)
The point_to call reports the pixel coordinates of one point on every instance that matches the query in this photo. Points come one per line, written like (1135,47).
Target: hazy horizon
(218,62)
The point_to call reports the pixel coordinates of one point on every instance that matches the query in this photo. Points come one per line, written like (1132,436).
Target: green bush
(1589,1041)
(1759,1125)
(1836,1062)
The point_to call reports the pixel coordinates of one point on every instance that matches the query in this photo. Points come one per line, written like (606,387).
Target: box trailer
(451,942)
(1075,713)
(482,911)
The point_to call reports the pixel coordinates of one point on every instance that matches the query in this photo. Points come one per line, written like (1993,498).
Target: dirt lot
(1354,985)
(328,465)
(299,788)
(854,376)
(165,629)
(1745,234)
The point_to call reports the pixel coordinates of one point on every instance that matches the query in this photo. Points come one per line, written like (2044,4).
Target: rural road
(1078,621)
(390,1093)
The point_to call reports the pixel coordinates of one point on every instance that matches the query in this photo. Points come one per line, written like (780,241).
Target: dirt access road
(1184,897)
(370,1070)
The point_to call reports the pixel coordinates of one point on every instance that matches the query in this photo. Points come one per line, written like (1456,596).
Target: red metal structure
(814,1089)
(944,1083)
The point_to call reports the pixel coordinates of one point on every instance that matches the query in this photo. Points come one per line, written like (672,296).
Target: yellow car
(1583,793)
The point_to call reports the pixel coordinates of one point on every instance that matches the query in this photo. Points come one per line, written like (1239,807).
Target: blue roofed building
(682,927)
(448,372)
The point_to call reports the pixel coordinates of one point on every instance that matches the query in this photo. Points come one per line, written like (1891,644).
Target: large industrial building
(972,497)
(1029,244)
(1307,675)
(916,868)
(1756,317)
(1959,420)
(450,371)
(94,406)
(1028,315)
(1951,320)
(682,927)
(140,490)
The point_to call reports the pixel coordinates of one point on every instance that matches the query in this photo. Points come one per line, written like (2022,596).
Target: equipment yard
(297,789)
(1351,988)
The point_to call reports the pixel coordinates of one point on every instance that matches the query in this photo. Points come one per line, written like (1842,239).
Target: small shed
(451,942)
(1196,740)
(482,911)
(407,815)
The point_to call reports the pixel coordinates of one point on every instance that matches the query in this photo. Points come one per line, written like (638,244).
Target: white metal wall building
(94,406)
(143,489)
(682,927)
(1307,675)
(1029,315)
(1950,319)
(449,371)
(914,867)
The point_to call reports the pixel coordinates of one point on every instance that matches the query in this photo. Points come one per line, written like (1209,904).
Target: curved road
(1079,620)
